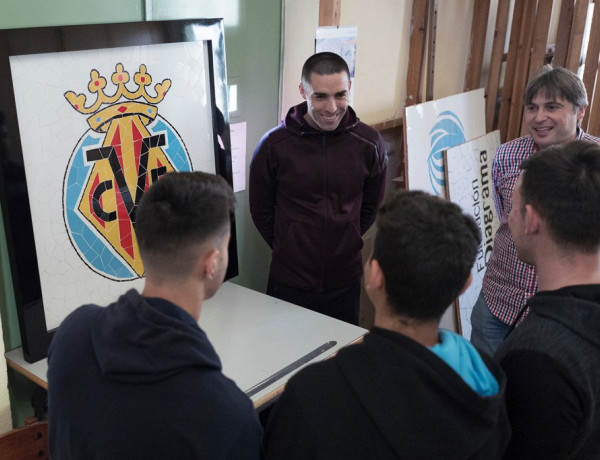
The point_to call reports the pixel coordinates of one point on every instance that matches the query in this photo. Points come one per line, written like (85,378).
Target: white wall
(300,20)
(382,51)
(452,46)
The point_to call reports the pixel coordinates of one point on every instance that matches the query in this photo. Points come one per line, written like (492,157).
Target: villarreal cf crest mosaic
(127,147)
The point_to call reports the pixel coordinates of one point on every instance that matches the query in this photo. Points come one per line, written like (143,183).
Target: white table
(262,341)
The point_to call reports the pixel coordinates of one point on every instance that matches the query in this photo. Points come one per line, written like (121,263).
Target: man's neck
(423,332)
(570,269)
(187,298)
(311,122)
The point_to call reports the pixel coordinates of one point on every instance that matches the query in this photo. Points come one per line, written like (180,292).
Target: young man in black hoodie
(139,378)
(552,359)
(410,390)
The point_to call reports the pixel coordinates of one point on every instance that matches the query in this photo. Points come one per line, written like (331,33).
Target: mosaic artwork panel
(97,128)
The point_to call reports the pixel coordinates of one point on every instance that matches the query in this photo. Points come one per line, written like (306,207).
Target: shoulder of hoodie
(366,132)
(321,372)
(361,132)
(81,315)
(85,312)
(75,327)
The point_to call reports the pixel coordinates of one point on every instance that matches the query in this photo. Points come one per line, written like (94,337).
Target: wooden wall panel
(540,37)
(495,68)
(511,64)
(432,10)
(329,12)
(590,121)
(563,32)
(520,73)
(593,111)
(416,57)
(538,46)
(481,11)
(576,37)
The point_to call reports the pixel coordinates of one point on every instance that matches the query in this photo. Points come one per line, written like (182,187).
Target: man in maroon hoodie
(316,181)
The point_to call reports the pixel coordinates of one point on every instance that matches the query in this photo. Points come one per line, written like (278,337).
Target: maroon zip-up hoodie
(313,194)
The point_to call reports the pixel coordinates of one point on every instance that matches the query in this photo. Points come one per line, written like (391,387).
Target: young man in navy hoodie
(410,390)
(139,378)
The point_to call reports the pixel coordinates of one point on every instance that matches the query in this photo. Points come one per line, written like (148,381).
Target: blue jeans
(487,331)
(341,303)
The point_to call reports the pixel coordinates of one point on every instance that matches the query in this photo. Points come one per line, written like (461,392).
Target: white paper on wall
(342,41)
(238,155)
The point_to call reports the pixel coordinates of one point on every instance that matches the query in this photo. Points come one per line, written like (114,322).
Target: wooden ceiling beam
(329,12)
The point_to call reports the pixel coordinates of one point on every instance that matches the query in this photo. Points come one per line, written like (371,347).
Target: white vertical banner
(469,184)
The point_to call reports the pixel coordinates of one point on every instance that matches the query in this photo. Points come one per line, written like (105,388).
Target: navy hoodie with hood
(139,379)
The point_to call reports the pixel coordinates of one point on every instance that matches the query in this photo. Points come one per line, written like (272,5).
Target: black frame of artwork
(13,186)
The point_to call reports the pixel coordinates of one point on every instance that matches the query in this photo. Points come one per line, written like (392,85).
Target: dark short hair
(325,63)
(563,185)
(179,213)
(557,82)
(426,247)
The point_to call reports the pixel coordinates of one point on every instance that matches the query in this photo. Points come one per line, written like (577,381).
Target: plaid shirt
(508,282)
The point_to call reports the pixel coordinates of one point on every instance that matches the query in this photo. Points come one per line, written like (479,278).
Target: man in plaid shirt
(555,101)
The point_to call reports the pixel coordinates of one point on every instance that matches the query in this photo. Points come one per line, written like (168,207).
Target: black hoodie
(552,362)
(387,398)
(139,379)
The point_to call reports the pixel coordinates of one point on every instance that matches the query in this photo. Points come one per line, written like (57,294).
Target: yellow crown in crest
(120,78)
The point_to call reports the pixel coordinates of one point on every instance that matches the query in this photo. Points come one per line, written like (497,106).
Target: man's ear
(376,278)
(302,90)
(208,264)
(581,112)
(467,284)
(532,219)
